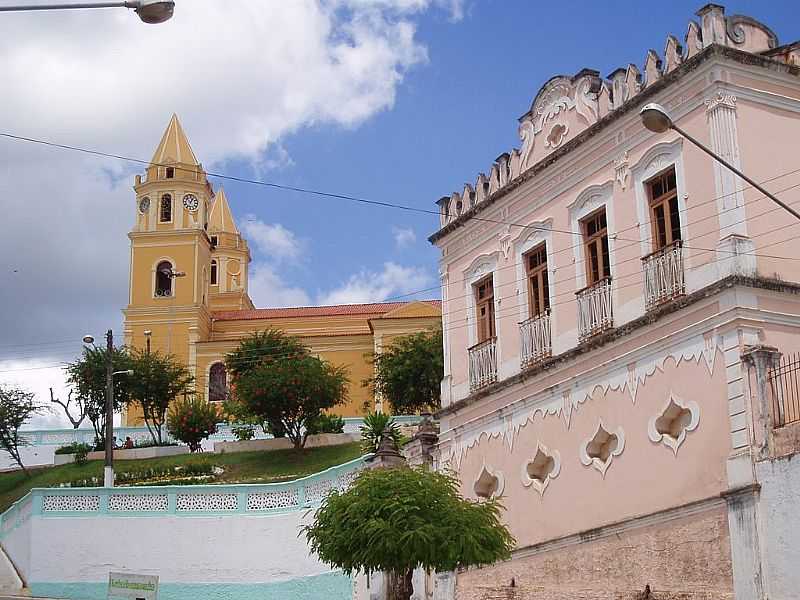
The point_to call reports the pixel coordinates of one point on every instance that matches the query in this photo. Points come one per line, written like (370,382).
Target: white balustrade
(595,309)
(664,275)
(536,340)
(483,364)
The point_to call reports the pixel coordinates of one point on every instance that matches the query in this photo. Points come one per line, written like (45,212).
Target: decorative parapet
(565,106)
(181,501)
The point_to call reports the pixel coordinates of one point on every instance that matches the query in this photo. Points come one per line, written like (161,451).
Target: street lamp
(108,470)
(147,335)
(655,118)
(149,11)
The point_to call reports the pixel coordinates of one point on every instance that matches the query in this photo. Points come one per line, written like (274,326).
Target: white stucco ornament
(541,469)
(673,422)
(490,483)
(599,450)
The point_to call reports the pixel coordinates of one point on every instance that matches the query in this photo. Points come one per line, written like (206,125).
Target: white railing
(595,310)
(664,275)
(536,341)
(483,364)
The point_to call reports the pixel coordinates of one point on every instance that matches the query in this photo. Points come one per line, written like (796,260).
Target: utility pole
(108,472)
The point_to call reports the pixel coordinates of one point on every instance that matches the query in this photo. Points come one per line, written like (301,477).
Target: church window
(165,212)
(217,383)
(170,172)
(164,279)
(214,240)
(214,272)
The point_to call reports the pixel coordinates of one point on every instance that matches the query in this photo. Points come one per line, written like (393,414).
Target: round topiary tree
(191,421)
(396,520)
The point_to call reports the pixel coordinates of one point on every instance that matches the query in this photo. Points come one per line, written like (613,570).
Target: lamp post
(149,11)
(655,118)
(108,470)
(147,335)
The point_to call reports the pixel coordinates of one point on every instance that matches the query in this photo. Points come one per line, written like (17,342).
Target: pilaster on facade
(721,115)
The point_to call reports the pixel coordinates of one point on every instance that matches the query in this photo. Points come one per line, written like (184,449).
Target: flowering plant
(191,421)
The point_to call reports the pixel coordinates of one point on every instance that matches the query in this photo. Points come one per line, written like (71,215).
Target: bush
(74,448)
(325,424)
(244,433)
(375,424)
(152,444)
(191,421)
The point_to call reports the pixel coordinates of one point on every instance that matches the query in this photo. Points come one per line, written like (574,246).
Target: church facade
(188,291)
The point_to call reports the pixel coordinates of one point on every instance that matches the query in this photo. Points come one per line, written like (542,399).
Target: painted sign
(126,586)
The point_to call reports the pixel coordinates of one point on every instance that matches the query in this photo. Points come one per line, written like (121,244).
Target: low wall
(313,441)
(129,454)
(238,542)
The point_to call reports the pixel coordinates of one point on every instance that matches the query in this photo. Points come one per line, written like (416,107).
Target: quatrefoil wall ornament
(489,483)
(676,419)
(541,469)
(599,450)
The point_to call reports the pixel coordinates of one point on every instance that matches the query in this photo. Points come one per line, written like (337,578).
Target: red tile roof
(378,308)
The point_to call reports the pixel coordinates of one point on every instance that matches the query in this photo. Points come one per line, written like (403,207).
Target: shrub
(325,424)
(375,424)
(152,444)
(244,433)
(73,448)
(191,421)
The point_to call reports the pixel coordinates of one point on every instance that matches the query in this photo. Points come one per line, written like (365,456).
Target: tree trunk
(400,586)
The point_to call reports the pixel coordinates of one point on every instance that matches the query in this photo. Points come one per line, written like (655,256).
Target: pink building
(614,304)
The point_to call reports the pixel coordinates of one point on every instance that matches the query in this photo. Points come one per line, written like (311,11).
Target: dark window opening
(165,212)
(170,172)
(217,383)
(214,272)
(164,279)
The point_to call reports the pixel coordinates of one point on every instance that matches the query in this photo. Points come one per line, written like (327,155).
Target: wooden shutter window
(484,303)
(664,211)
(538,284)
(595,239)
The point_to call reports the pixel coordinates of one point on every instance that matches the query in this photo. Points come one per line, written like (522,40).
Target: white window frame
(657,159)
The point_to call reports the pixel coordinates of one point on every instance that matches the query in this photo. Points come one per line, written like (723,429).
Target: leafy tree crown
(399,519)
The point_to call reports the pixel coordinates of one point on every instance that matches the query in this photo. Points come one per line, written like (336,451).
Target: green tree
(408,374)
(17,406)
(399,519)
(279,381)
(192,420)
(87,376)
(158,379)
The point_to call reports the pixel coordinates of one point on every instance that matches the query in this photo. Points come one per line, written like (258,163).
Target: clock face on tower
(190,202)
(144,205)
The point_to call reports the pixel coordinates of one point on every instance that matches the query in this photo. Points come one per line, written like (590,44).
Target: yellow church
(189,279)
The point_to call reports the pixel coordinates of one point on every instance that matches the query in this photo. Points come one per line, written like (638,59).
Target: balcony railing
(785,381)
(663,275)
(595,311)
(483,364)
(536,341)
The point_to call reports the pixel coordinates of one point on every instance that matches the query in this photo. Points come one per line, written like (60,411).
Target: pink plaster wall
(644,479)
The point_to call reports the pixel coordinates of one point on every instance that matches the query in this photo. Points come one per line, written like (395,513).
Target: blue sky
(451,118)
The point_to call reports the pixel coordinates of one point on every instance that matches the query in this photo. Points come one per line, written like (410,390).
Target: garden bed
(129,454)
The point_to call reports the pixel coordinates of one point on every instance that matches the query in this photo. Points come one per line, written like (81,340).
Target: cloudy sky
(393,100)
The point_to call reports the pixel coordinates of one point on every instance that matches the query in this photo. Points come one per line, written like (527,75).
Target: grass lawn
(239,467)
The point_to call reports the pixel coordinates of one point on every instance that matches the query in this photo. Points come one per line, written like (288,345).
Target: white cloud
(367,286)
(242,76)
(268,289)
(403,236)
(272,240)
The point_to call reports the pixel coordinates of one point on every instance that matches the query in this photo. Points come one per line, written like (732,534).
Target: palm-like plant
(375,424)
